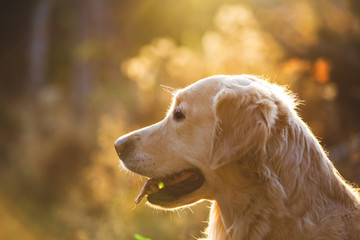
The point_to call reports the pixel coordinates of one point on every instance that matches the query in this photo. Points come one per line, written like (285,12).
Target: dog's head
(212,124)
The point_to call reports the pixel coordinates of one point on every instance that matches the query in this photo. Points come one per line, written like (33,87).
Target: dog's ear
(244,119)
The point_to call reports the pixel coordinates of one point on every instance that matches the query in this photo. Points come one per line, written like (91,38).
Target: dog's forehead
(207,88)
(203,88)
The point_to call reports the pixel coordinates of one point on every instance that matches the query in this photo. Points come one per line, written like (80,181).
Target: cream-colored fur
(267,174)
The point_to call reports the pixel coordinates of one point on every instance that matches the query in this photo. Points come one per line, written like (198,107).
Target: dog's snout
(120,145)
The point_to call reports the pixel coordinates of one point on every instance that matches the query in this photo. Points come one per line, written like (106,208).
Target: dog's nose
(120,145)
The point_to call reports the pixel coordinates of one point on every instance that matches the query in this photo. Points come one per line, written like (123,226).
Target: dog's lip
(171,187)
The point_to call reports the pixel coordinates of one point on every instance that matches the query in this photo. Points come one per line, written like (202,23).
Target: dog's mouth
(162,191)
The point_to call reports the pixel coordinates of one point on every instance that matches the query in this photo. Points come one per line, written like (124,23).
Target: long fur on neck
(296,195)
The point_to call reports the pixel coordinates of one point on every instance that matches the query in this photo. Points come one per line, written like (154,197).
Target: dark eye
(178,115)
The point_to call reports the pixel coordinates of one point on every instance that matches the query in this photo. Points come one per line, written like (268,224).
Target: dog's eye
(178,115)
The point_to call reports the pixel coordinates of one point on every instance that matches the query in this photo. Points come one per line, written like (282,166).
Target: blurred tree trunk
(39,45)
(91,36)
(14,32)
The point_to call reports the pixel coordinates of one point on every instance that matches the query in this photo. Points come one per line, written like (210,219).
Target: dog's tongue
(151,186)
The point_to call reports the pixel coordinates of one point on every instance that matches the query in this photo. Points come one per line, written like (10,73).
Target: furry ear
(244,119)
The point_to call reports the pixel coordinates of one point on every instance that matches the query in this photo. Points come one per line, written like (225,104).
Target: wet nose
(120,145)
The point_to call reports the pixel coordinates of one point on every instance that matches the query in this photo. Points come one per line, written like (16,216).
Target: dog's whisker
(168,89)
(133,209)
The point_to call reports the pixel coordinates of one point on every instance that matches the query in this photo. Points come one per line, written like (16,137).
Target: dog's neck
(247,211)
(264,206)
(239,204)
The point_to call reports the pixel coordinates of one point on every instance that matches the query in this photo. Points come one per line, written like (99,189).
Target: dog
(239,142)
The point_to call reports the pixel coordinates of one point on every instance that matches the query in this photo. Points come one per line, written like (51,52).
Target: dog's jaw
(167,190)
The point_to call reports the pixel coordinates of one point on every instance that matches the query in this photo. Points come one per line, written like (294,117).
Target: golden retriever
(238,141)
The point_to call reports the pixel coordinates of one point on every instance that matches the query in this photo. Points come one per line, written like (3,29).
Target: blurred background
(77,74)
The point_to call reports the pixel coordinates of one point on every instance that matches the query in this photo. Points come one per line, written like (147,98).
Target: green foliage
(138,237)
